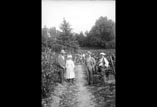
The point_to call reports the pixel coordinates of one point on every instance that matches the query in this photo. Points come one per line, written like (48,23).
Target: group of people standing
(95,66)
(67,65)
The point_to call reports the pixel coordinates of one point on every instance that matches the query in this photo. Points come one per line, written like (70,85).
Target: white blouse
(106,62)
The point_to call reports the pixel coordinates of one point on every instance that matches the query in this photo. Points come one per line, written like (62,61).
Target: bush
(50,72)
(111,44)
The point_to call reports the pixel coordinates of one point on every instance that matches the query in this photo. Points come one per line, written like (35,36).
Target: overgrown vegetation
(52,42)
(50,72)
(57,40)
(102,35)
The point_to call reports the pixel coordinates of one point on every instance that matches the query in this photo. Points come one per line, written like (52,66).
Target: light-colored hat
(102,53)
(62,51)
(89,52)
(69,56)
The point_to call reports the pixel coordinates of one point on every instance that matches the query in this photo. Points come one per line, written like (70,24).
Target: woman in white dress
(70,73)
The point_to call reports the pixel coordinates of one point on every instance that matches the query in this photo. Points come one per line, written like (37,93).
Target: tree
(80,38)
(111,44)
(65,27)
(104,28)
(101,33)
(65,32)
(44,38)
(66,38)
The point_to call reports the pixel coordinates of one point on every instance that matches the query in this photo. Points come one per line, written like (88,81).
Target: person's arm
(85,61)
(106,62)
(100,62)
(73,64)
(94,61)
(66,64)
(61,61)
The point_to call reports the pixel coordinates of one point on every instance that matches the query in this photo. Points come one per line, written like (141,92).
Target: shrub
(50,72)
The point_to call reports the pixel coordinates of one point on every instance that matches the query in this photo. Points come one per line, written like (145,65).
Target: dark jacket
(61,61)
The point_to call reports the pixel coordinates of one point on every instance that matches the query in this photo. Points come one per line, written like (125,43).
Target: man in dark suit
(61,62)
(90,63)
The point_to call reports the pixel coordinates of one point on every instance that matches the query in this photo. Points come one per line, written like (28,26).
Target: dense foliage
(50,78)
(50,72)
(57,40)
(52,42)
(101,35)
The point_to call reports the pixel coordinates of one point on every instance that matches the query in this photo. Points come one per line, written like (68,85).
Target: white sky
(80,14)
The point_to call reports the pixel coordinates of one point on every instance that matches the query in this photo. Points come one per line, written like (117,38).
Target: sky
(80,14)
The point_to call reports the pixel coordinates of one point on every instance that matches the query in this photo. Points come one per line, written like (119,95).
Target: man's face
(62,54)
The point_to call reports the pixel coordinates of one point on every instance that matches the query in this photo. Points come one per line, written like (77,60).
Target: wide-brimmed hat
(89,52)
(102,53)
(69,56)
(62,51)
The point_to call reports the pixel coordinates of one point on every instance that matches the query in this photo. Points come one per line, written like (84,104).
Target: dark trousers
(70,80)
(104,72)
(90,76)
(62,75)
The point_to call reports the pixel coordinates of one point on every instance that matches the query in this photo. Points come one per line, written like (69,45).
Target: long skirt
(70,74)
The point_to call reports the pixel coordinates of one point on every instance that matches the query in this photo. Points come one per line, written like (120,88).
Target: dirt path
(73,95)
(84,96)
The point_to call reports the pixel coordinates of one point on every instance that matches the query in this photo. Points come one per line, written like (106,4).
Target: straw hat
(102,53)
(89,52)
(62,51)
(69,56)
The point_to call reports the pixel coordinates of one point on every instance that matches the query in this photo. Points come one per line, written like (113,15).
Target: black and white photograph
(78,53)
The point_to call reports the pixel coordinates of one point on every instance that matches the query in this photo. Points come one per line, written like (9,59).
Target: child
(70,73)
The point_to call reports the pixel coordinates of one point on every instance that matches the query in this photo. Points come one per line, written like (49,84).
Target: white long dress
(70,73)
